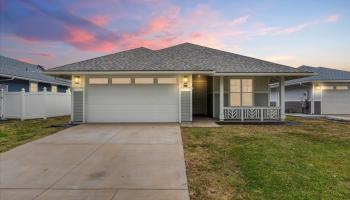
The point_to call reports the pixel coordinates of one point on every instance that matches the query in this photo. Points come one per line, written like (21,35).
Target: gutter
(212,73)
(34,80)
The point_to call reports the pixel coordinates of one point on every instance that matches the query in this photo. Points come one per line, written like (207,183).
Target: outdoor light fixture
(77,80)
(185,81)
(318,87)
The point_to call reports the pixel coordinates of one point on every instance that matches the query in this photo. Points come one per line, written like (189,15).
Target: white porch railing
(252,113)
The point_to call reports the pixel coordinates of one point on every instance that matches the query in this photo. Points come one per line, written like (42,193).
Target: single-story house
(15,75)
(174,84)
(327,92)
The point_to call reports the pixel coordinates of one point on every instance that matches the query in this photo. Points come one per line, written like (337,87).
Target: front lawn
(16,132)
(307,160)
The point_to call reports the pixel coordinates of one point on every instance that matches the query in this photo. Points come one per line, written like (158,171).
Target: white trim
(221,114)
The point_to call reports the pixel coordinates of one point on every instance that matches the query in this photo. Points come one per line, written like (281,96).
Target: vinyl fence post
(2,103)
(23,104)
(45,102)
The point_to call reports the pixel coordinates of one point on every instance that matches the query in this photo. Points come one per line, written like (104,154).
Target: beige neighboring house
(175,84)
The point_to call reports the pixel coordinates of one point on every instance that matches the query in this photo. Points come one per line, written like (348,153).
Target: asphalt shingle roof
(323,74)
(182,57)
(21,70)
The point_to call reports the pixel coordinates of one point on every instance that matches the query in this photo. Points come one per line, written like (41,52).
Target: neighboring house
(328,92)
(173,85)
(15,75)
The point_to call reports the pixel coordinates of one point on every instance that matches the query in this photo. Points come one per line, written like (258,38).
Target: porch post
(221,99)
(313,99)
(282,99)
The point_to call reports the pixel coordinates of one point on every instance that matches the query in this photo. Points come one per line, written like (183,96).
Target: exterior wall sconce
(318,87)
(77,80)
(185,81)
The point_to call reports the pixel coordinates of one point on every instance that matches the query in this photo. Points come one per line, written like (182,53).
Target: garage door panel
(335,102)
(132,103)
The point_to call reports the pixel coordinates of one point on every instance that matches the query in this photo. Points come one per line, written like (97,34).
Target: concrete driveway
(102,161)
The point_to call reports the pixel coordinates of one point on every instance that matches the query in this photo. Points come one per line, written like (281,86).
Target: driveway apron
(98,161)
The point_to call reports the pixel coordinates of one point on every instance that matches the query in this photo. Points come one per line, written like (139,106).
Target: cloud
(279,58)
(333,18)
(99,20)
(26,60)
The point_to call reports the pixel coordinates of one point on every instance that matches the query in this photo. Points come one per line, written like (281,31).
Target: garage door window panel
(144,81)
(98,81)
(121,81)
(166,80)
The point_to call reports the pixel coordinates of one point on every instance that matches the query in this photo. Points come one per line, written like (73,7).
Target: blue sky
(53,33)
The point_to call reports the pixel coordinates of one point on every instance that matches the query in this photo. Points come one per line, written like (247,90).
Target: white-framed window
(341,87)
(121,80)
(241,92)
(144,80)
(325,87)
(33,87)
(166,80)
(98,81)
(54,88)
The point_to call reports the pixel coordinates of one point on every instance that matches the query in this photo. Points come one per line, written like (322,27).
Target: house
(327,92)
(174,84)
(15,75)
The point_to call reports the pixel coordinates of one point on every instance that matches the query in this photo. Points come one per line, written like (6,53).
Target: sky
(291,32)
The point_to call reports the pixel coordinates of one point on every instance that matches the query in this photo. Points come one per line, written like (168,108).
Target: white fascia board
(301,74)
(125,72)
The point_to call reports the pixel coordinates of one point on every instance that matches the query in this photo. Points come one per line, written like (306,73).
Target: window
(98,81)
(166,80)
(121,80)
(54,88)
(241,92)
(341,87)
(33,87)
(144,81)
(327,87)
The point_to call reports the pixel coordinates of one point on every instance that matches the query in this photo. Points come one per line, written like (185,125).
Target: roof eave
(34,80)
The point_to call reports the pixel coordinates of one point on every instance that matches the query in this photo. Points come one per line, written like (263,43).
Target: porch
(237,99)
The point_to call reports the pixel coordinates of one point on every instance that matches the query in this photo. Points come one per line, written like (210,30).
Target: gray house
(328,92)
(15,75)
(175,84)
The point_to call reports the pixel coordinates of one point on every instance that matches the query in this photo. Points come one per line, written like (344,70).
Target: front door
(199,95)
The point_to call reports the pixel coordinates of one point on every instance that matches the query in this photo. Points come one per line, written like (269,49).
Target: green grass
(308,161)
(16,132)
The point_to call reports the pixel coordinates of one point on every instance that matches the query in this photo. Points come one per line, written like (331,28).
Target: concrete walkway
(105,162)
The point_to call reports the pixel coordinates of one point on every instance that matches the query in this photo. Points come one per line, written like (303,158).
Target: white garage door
(335,102)
(132,103)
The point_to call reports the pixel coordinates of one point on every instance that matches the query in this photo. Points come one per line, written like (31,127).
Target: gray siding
(185,106)
(78,106)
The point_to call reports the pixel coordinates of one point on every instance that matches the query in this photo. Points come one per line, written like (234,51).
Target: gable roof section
(13,68)
(323,74)
(182,57)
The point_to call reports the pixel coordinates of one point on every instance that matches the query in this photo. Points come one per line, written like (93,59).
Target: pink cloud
(293,29)
(26,60)
(333,18)
(79,36)
(99,20)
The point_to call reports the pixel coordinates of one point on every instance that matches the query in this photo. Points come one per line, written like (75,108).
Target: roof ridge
(104,56)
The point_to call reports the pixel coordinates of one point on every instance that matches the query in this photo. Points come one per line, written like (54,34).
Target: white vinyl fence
(31,105)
